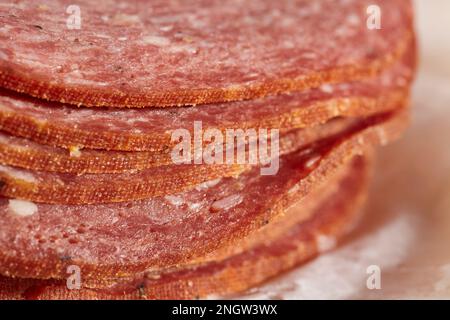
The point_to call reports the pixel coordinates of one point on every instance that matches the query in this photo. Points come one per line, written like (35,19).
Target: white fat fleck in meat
(18,174)
(305,152)
(153,276)
(226,203)
(309,55)
(343,31)
(183,48)
(22,208)
(327,88)
(343,86)
(174,200)
(75,152)
(102,36)
(207,184)
(294,189)
(166,28)
(5,29)
(76,77)
(155,40)
(325,243)
(312,161)
(125,19)
(381,132)
(334,108)
(361,140)
(195,22)
(194,206)
(287,22)
(31,60)
(43,7)
(353,19)
(288,44)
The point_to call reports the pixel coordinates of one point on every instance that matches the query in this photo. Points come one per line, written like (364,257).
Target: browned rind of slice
(73,128)
(279,246)
(23,153)
(122,239)
(81,129)
(90,129)
(57,188)
(95,188)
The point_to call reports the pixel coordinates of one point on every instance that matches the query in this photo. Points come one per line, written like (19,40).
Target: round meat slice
(27,154)
(309,228)
(121,239)
(151,130)
(168,53)
(62,188)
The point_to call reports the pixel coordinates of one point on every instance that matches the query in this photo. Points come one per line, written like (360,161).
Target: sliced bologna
(172,53)
(122,239)
(151,130)
(318,217)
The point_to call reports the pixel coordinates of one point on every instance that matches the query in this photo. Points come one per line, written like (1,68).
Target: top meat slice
(170,53)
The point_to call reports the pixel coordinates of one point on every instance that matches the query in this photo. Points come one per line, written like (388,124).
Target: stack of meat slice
(93,93)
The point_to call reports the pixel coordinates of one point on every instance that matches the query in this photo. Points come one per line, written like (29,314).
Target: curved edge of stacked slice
(310,228)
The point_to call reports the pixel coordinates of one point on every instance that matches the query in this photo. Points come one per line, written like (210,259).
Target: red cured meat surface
(150,129)
(328,215)
(124,238)
(166,53)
